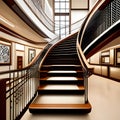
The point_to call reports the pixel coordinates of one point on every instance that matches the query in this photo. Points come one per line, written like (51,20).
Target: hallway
(104,96)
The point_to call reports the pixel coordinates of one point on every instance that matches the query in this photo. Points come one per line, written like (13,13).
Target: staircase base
(60,108)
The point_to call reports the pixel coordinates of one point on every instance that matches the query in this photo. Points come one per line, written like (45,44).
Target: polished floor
(104,96)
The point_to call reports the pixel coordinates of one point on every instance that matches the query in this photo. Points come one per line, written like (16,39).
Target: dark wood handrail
(100,6)
(41,54)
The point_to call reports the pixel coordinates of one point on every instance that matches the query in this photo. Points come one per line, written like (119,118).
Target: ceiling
(11,20)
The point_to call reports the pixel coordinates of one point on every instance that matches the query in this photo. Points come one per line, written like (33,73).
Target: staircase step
(63,49)
(61,80)
(61,67)
(61,61)
(61,89)
(63,55)
(61,73)
(60,108)
(59,99)
(59,104)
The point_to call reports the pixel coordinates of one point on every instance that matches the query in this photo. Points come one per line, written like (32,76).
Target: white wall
(79,14)
(48,10)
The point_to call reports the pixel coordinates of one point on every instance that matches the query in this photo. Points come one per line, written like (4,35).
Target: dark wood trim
(5,40)
(3,99)
(20,13)
(107,40)
(108,71)
(60,14)
(103,56)
(114,79)
(104,65)
(116,50)
(106,2)
(14,34)
(20,50)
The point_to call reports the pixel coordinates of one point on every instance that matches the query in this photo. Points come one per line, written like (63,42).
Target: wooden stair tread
(60,106)
(61,87)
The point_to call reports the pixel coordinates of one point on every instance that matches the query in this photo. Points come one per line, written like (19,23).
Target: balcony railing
(102,23)
(18,88)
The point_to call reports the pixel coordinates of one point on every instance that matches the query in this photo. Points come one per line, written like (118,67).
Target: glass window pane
(67,23)
(67,5)
(62,5)
(63,31)
(57,18)
(57,22)
(62,18)
(57,32)
(62,36)
(67,10)
(62,11)
(67,30)
(67,18)
(62,26)
(57,10)
(56,5)
(62,22)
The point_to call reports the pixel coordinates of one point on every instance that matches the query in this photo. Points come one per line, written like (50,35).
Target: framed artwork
(105,57)
(80,4)
(5,54)
(118,56)
(31,54)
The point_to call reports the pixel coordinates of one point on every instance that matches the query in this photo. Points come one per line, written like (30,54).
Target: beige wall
(115,72)
(95,59)
(110,70)
(17,51)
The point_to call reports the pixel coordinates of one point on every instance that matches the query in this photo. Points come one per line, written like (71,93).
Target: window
(62,21)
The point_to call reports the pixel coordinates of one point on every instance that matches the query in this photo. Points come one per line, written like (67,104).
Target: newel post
(3,99)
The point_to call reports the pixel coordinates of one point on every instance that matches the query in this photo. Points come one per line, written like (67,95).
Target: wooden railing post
(3,99)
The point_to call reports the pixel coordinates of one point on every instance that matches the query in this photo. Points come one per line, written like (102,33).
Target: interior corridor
(104,96)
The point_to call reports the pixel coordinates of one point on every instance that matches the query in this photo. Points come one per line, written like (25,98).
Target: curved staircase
(61,88)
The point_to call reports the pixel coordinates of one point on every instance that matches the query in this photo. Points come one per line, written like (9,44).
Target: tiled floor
(104,96)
